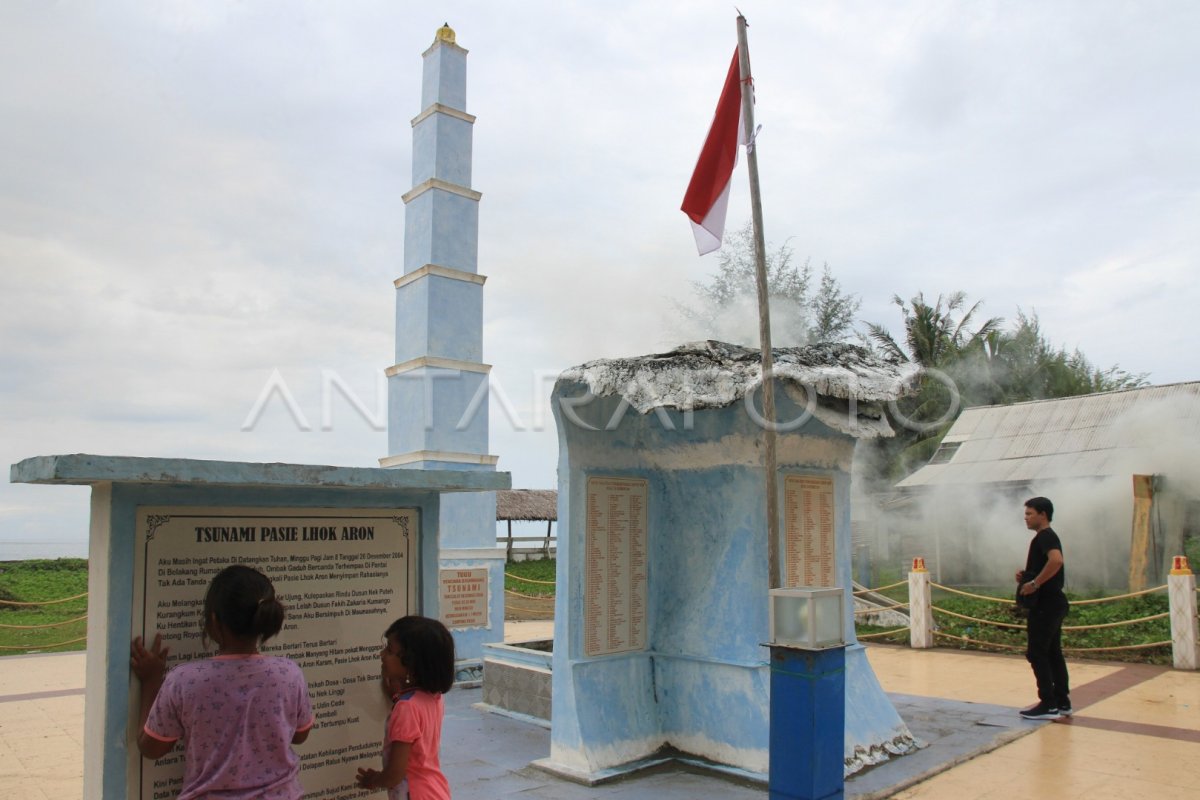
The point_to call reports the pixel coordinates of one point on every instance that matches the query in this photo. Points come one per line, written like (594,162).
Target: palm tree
(937,336)
(932,334)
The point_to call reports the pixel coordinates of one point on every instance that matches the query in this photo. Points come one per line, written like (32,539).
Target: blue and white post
(438,387)
(808,695)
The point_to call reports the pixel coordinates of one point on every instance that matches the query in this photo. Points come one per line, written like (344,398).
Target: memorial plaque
(343,575)
(614,614)
(464,597)
(808,507)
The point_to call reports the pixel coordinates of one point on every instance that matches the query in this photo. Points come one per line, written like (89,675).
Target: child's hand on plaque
(149,665)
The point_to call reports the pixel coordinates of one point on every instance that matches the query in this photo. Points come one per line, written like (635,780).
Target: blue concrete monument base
(808,723)
(695,682)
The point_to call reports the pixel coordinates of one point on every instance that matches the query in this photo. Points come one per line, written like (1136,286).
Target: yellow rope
(882,633)
(529,596)
(881,608)
(1065,649)
(44,602)
(527,610)
(527,580)
(976,619)
(1065,627)
(968,594)
(976,641)
(1073,602)
(42,646)
(1117,597)
(1122,647)
(47,625)
(885,588)
(1116,624)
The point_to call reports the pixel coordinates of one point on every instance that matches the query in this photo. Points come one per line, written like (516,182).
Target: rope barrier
(1117,597)
(47,625)
(42,646)
(874,609)
(977,641)
(526,610)
(1163,615)
(1073,602)
(44,602)
(1121,647)
(527,580)
(952,637)
(980,621)
(882,633)
(1097,626)
(968,594)
(883,588)
(529,596)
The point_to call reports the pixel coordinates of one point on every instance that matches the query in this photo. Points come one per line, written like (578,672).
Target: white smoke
(737,323)
(975,534)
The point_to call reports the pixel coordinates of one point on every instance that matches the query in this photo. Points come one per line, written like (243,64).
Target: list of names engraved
(343,576)
(614,605)
(808,509)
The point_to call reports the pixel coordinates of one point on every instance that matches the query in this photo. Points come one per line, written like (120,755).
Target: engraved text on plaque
(343,575)
(808,507)
(614,614)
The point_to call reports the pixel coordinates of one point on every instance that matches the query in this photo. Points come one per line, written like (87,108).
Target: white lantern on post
(807,618)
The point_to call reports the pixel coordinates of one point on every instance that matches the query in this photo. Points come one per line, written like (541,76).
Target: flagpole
(764,312)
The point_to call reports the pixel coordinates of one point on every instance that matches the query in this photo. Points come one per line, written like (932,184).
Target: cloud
(195,194)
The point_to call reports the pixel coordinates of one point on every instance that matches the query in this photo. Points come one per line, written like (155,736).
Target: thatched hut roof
(527,504)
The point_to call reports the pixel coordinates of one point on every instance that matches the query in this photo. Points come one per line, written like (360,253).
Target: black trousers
(1045,654)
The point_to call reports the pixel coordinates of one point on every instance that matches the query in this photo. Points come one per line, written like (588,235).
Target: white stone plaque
(464,597)
(614,614)
(343,575)
(808,506)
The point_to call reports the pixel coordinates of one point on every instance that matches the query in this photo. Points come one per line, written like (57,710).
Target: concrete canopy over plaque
(348,549)
(675,432)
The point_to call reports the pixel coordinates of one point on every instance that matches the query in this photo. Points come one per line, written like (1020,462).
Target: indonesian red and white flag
(707,197)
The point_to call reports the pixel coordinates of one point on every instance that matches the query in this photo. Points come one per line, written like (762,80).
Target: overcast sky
(197,194)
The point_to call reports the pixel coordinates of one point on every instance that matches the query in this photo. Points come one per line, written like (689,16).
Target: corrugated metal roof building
(1089,436)
(962,510)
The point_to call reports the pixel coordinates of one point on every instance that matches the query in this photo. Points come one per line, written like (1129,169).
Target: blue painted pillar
(808,723)
(438,385)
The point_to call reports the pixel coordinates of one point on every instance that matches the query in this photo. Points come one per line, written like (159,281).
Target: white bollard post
(920,606)
(1181,589)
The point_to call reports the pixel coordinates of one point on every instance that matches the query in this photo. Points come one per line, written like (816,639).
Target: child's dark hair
(426,651)
(244,601)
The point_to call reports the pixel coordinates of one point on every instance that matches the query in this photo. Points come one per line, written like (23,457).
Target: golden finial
(445,34)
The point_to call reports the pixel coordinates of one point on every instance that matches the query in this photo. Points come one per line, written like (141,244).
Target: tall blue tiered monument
(438,387)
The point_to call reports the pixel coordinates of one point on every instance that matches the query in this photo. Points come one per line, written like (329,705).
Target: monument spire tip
(445,34)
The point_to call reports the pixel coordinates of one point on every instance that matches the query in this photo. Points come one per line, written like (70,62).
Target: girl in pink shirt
(418,668)
(238,713)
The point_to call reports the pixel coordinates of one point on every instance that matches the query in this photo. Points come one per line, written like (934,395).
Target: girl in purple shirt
(238,713)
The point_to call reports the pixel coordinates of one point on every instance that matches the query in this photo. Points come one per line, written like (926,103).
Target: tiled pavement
(41,727)
(1135,734)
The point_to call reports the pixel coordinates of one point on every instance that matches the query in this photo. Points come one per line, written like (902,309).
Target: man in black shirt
(1042,581)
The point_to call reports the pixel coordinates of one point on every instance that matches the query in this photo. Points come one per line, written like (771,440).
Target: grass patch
(519,576)
(38,581)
